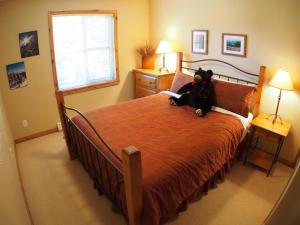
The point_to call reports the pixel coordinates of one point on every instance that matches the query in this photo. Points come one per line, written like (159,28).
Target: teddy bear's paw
(172,102)
(199,112)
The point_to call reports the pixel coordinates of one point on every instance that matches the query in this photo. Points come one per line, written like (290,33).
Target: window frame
(93,86)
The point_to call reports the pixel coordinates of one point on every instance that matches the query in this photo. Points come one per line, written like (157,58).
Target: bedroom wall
(286,210)
(273,33)
(36,102)
(12,206)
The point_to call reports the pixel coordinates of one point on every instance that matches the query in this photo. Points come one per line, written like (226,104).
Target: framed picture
(234,44)
(29,45)
(200,41)
(16,75)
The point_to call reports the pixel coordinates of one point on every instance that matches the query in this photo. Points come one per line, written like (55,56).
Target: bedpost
(262,74)
(61,111)
(179,62)
(132,169)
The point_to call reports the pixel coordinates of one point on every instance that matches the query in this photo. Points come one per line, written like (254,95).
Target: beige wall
(273,33)
(12,206)
(36,102)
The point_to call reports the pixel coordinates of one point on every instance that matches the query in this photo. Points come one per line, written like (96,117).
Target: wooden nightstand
(262,127)
(149,82)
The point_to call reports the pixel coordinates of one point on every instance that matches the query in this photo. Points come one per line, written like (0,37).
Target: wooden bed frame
(131,173)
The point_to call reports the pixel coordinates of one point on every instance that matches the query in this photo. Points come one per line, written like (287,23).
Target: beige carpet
(60,192)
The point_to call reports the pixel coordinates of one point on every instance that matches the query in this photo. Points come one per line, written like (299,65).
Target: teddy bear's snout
(197,78)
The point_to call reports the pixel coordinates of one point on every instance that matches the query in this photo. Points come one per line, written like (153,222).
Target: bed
(150,158)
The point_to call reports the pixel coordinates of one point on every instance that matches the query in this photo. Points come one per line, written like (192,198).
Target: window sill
(89,87)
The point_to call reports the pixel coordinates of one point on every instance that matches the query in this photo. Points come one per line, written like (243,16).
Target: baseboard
(36,135)
(287,162)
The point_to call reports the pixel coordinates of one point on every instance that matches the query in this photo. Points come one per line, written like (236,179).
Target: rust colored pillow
(233,97)
(179,80)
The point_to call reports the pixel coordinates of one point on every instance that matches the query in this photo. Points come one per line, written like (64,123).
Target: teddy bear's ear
(210,73)
(199,71)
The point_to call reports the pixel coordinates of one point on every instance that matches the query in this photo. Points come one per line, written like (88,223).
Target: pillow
(233,97)
(179,80)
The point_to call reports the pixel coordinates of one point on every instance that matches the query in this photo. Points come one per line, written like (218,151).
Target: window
(83,49)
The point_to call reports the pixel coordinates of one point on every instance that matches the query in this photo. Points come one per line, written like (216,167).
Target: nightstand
(262,127)
(149,82)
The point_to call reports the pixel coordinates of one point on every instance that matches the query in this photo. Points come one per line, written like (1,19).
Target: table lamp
(164,47)
(282,81)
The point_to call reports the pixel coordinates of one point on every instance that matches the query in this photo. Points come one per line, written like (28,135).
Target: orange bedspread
(180,151)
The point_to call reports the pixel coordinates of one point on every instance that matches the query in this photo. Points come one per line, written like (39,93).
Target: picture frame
(16,74)
(234,44)
(29,44)
(200,42)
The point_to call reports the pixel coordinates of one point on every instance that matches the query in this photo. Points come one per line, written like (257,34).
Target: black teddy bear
(198,94)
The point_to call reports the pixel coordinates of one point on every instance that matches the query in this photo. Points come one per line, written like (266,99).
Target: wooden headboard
(243,76)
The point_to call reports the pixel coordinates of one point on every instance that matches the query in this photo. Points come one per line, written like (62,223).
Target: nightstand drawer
(142,92)
(268,135)
(145,80)
(149,82)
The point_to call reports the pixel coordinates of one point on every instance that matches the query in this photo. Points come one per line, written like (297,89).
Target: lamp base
(276,115)
(164,64)
(275,118)
(163,68)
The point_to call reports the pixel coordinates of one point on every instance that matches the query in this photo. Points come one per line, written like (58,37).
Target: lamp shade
(164,47)
(282,80)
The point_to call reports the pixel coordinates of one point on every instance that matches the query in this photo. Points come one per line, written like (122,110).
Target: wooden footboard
(93,159)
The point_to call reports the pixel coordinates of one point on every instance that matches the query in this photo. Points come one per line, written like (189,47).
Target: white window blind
(84,49)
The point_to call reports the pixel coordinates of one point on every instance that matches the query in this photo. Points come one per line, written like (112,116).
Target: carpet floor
(59,191)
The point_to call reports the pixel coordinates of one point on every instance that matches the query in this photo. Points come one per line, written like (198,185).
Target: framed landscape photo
(234,44)
(200,41)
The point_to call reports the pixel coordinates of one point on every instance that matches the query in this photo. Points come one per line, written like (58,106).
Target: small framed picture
(29,44)
(16,75)
(234,44)
(200,41)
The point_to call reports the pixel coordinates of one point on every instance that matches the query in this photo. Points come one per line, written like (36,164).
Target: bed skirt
(112,185)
